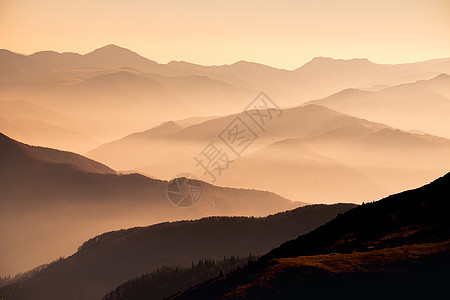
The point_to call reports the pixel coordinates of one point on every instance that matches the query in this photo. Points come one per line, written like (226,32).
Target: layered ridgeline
(107,260)
(51,201)
(398,247)
(319,77)
(422,106)
(310,153)
(108,85)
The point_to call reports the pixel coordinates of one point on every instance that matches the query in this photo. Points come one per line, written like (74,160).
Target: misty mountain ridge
(322,145)
(105,261)
(75,198)
(406,106)
(110,83)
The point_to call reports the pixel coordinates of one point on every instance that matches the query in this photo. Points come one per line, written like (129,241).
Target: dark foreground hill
(106,261)
(167,281)
(396,248)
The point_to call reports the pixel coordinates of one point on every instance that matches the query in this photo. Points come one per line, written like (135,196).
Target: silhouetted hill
(107,260)
(51,201)
(398,246)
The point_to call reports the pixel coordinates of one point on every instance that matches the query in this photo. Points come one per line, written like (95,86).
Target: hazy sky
(282,33)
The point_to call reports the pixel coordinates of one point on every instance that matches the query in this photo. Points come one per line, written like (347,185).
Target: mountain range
(407,106)
(105,86)
(199,170)
(309,152)
(105,261)
(52,200)
(396,247)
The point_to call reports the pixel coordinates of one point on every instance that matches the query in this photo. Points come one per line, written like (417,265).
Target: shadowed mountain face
(51,201)
(309,153)
(109,259)
(108,85)
(423,105)
(397,246)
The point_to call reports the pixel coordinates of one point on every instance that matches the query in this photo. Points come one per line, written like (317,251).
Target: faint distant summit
(111,48)
(116,56)
(321,61)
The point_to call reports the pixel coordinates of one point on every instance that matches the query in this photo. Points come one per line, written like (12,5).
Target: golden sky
(282,33)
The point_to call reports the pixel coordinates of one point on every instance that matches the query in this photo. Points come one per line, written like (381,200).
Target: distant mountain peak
(46,52)
(442,76)
(322,58)
(243,62)
(8,52)
(168,127)
(181,62)
(169,124)
(116,56)
(251,64)
(326,58)
(112,49)
(322,61)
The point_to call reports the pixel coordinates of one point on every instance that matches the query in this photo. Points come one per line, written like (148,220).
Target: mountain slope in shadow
(167,281)
(398,246)
(16,154)
(109,259)
(52,200)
